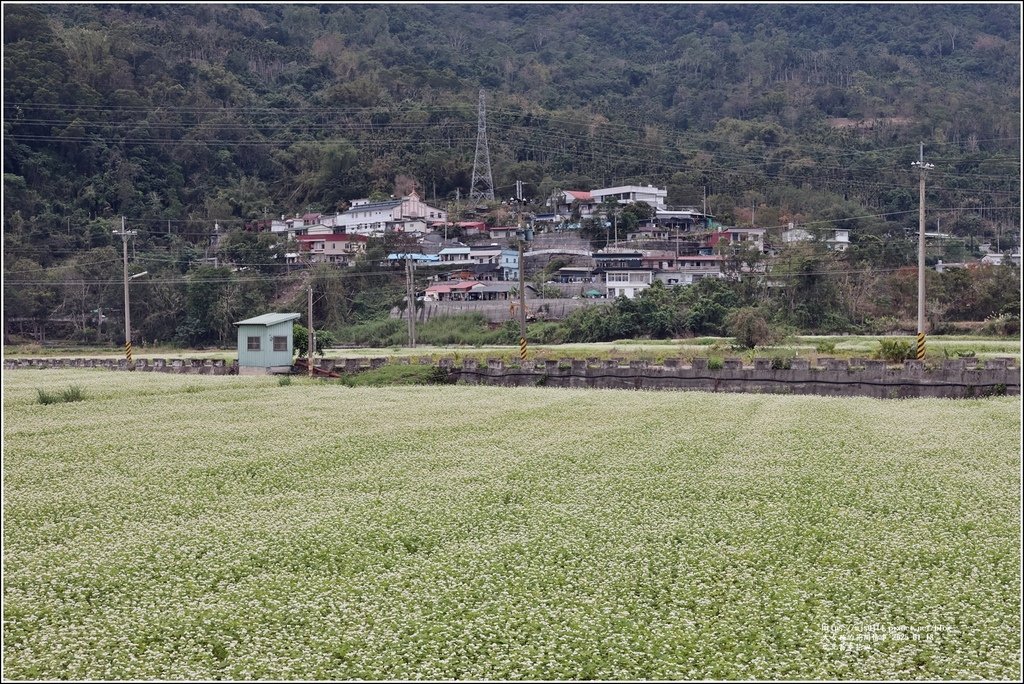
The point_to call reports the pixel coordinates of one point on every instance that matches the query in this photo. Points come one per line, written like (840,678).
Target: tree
(325,339)
(750,328)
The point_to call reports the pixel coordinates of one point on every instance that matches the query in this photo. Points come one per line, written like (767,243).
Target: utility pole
(522,282)
(311,336)
(522,301)
(922,168)
(127,308)
(410,293)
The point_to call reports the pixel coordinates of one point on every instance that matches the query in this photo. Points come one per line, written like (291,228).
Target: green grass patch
(71,394)
(397,374)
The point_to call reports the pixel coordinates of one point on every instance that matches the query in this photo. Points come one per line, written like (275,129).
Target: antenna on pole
(482,186)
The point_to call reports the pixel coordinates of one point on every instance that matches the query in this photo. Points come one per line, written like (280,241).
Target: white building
(628,194)
(409,214)
(589,202)
(628,283)
(839,240)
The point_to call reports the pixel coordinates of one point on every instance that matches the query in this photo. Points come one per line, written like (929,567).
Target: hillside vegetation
(183,117)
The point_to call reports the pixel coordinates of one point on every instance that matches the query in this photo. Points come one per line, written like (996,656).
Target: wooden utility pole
(311,335)
(410,294)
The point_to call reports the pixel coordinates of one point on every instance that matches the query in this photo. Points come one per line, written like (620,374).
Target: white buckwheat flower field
(203,527)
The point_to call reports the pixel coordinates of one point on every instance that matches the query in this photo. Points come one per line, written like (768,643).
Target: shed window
(254,344)
(280,343)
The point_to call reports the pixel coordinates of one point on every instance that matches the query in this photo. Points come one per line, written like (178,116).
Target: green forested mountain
(177,116)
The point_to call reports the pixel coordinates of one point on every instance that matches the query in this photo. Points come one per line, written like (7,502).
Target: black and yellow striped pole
(920,346)
(522,348)
(128,352)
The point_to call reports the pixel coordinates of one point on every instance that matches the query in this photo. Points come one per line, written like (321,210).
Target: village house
(627,283)
(574,274)
(331,248)
(455,254)
(589,201)
(509,264)
(739,237)
(409,214)
(839,240)
(468,291)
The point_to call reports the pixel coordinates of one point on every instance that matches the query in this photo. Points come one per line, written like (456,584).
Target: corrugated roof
(270,319)
(375,206)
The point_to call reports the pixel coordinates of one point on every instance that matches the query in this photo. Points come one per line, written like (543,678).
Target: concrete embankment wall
(835,377)
(195,366)
(955,378)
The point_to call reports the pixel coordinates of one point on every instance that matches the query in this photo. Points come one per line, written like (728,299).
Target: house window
(253,344)
(280,343)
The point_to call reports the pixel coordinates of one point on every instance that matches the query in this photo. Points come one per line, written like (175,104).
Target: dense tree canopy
(177,116)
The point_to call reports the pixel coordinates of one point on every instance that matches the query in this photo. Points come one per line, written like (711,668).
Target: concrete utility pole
(311,336)
(522,302)
(922,168)
(410,293)
(522,284)
(127,308)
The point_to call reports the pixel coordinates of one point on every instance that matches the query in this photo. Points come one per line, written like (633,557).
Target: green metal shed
(265,344)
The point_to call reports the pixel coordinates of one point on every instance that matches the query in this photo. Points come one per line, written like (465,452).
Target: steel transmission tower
(482,186)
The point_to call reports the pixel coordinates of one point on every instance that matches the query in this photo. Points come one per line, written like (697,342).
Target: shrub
(300,338)
(284,381)
(750,328)
(883,325)
(73,393)
(1004,325)
(45,398)
(395,374)
(893,350)
(826,347)
(715,363)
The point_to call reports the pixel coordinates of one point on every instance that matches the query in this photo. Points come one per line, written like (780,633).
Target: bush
(715,363)
(396,374)
(894,350)
(883,325)
(1004,325)
(825,347)
(45,398)
(750,328)
(73,393)
(300,338)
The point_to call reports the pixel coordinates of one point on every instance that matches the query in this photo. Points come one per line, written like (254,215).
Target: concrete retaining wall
(836,377)
(956,378)
(194,366)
